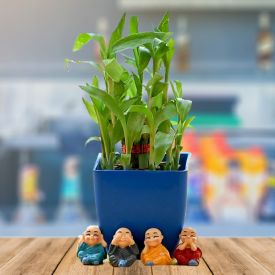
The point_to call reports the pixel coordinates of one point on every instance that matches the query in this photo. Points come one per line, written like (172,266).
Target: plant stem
(105,152)
(169,158)
(165,91)
(111,92)
(176,159)
(167,128)
(156,67)
(178,147)
(151,155)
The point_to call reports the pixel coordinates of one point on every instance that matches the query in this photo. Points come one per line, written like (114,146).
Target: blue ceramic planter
(140,199)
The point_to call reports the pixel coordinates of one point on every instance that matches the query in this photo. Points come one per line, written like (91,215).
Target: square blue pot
(140,199)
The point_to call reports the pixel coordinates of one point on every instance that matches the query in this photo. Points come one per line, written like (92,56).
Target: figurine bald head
(153,237)
(188,235)
(93,236)
(123,238)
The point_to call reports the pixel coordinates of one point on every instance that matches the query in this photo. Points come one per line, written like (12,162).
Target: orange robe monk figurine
(187,252)
(154,253)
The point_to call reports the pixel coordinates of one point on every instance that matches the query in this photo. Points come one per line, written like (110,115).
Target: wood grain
(72,265)
(224,256)
(177,269)
(261,249)
(41,256)
(10,247)
(58,256)
(137,268)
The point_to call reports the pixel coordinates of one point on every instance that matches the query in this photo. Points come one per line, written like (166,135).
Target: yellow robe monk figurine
(154,253)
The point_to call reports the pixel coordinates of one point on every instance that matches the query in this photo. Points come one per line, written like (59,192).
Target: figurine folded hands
(154,253)
(123,250)
(187,252)
(92,246)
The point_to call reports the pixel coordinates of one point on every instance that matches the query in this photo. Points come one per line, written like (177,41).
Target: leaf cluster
(130,102)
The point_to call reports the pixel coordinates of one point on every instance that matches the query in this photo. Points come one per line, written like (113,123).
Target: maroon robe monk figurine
(187,252)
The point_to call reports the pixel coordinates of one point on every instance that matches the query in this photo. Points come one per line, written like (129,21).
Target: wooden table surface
(58,256)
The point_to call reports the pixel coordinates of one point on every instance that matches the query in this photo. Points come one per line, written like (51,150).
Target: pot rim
(95,168)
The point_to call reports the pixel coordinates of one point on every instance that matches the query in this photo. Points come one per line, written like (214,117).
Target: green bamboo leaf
(107,100)
(166,113)
(117,33)
(95,81)
(138,39)
(103,121)
(175,92)
(156,101)
(183,108)
(126,104)
(148,114)
(187,122)
(179,88)
(158,88)
(156,78)
(96,109)
(165,126)
(92,139)
(119,91)
(111,104)
(91,63)
(160,48)
(133,24)
(97,103)
(164,23)
(149,46)
(113,69)
(83,38)
(138,85)
(131,88)
(126,77)
(162,142)
(99,106)
(135,123)
(144,58)
(91,109)
(117,133)
(170,53)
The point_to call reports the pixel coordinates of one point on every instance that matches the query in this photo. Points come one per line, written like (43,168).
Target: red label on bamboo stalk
(145,148)
(137,149)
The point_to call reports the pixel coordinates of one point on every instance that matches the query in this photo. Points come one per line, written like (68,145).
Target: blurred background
(225,59)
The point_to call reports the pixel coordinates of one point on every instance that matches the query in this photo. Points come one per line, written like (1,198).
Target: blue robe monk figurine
(92,246)
(123,250)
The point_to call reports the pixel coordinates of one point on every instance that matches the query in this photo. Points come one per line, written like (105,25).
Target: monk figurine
(123,250)
(91,246)
(154,253)
(187,252)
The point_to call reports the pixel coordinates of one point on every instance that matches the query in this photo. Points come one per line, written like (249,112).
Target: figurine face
(123,237)
(153,237)
(188,234)
(92,235)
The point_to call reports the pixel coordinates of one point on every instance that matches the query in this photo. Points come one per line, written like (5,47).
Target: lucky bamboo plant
(130,102)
